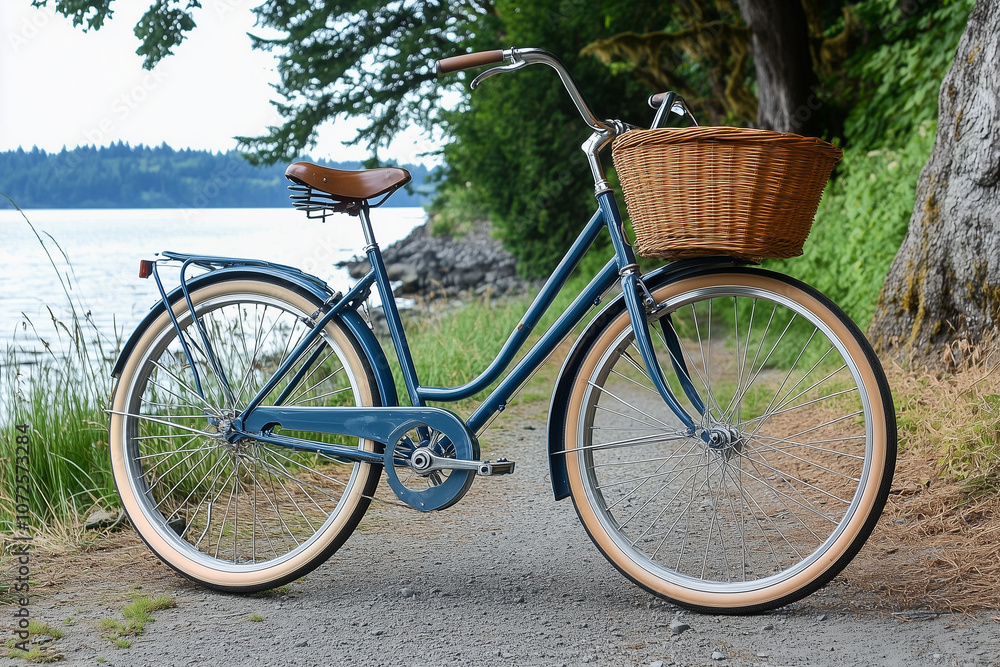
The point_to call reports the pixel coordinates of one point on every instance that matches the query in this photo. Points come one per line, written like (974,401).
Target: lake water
(97,254)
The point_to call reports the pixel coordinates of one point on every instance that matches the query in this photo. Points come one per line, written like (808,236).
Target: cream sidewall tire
(787,589)
(172,551)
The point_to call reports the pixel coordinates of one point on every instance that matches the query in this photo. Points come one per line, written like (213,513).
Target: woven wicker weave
(702,191)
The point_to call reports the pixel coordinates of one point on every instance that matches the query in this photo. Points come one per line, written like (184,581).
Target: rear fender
(350,317)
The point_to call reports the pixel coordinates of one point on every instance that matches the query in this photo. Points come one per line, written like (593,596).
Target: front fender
(567,374)
(354,322)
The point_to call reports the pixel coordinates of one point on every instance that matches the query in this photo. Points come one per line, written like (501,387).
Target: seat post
(366,227)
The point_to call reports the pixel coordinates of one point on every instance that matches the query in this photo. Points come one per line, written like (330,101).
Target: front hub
(725,440)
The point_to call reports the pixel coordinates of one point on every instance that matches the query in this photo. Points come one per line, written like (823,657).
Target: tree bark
(786,82)
(942,293)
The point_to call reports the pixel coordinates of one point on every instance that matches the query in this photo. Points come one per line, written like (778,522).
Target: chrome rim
(243,505)
(787,457)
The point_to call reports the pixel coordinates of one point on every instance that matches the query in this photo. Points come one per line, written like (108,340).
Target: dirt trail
(506,577)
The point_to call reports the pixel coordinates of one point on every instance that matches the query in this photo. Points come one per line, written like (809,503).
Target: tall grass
(61,395)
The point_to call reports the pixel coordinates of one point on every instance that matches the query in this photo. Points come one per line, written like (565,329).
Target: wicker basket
(702,191)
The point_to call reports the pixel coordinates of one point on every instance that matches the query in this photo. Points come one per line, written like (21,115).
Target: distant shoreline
(121,176)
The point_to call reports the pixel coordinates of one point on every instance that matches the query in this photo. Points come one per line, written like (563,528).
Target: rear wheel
(239,515)
(791,464)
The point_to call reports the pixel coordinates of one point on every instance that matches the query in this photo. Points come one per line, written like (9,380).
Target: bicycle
(725,432)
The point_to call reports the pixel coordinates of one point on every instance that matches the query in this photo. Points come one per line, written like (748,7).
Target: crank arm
(424,462)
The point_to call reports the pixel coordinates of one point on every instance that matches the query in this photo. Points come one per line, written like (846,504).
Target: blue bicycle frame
(623,267)
(378,423)
(386,424)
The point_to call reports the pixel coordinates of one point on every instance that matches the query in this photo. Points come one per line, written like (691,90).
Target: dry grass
(938,544)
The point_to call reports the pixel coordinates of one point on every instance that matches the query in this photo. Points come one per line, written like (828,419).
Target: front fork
(640,304)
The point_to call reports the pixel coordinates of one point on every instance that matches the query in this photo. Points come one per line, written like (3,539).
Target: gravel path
(506,577)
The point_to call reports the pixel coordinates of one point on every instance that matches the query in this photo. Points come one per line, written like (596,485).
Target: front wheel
(791,464)
(235,514)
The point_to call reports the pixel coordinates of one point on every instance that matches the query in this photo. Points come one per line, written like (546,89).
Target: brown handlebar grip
(656,100)
(478,59)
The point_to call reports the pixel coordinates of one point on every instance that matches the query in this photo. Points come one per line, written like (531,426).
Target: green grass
(452,349)
(36,653)
(137,615)
(272,592)
(62,398)
(861,223)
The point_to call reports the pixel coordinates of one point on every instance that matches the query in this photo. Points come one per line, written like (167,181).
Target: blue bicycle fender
(355,323)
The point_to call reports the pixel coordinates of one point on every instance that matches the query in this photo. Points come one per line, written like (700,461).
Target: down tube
(555,334)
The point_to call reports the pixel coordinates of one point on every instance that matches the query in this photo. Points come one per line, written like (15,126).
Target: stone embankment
(430,267)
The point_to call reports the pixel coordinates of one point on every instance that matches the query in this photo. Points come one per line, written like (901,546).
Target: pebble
(821,617)
(767,627)
(677,627)
(719,655)
(406,592)
(658,663)
(302,644)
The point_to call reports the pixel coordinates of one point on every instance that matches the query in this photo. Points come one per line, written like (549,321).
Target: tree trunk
(943,289)
(786,83)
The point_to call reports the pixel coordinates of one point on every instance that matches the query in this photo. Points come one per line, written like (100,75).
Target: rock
(719,655)
(658,663)
(406,592)
(677,627)
(101,519)
(432,267)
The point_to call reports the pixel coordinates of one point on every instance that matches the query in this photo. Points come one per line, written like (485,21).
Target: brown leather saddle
(325,190)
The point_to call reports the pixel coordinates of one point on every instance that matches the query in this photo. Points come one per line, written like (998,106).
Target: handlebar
(519,58)
(667,103)
(604,131)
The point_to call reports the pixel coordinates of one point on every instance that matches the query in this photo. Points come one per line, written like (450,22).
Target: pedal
(500,467)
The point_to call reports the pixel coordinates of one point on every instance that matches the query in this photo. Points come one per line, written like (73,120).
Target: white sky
(62,87)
